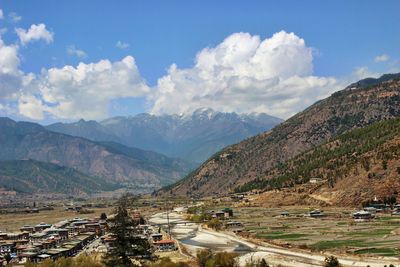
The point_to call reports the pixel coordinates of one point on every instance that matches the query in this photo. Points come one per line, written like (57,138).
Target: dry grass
(12,222)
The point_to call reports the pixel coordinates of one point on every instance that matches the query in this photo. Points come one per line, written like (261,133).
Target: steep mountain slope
(354,167)
(91,130)
(354,107)
(192,137)
(23,140)
(29,176)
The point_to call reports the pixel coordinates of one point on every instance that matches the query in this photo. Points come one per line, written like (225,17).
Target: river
(194,237)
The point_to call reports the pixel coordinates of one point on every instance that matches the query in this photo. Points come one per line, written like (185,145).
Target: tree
(84,260)
(167,262)
(332,262)
(224,259)
(8,258)
(384,164)
(128,241)
(203,256)
(263,263)
(257,263)
(215,224)
(81,260)
(103,216)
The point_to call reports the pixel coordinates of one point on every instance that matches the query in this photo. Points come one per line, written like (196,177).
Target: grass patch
(324,245)
(256,228)
(388,218)
(379,251)
(281,235)
(374,233)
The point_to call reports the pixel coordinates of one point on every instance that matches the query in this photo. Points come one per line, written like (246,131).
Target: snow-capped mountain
(194,136)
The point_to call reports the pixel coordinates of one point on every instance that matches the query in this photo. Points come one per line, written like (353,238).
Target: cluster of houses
(369,213)
(38,242)
(35,243)
(225,213)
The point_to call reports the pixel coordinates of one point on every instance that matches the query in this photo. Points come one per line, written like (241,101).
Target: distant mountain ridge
(30,176)
(193,137)
(356,106)
(141,171)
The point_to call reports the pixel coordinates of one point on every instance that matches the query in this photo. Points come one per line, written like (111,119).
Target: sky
(67,60)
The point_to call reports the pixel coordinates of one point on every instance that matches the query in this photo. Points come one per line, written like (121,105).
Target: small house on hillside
(165,245)
(228,212)
(316,214)
(363,215)
(315,180)
(219,215)
(156,237)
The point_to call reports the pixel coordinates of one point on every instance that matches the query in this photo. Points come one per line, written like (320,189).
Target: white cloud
(1,14)
(121,45)
(31,107)
(73,51)
(382,58)
(86,90)
(10,76)
(14,17)
(13,82)
(245,74)
(35,33)
(364,72)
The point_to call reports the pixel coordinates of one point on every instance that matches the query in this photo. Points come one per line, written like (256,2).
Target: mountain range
(102,162)
(256,159)
(30,176)
(193,137)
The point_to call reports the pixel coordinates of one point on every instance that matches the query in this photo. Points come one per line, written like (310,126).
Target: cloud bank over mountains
(244,73)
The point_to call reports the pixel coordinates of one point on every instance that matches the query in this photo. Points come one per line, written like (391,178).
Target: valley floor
(296,240)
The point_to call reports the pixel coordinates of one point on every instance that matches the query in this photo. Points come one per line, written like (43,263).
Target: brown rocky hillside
(354,107)
(349,170)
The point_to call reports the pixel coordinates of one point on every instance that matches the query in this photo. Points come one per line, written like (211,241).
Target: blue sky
(344,36)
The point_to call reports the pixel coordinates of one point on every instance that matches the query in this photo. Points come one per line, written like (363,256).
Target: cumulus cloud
(73,51)
(70,92)
(121,45)
(35,33)
(13,82)
(10,76)
(382,58)
(84,91)
(31,107)
(14,17)
(245,74)
(364,72)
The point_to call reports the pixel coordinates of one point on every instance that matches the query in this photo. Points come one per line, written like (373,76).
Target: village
(70,237)
(297,227)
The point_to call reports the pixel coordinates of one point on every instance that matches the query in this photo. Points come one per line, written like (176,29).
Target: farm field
(336,231)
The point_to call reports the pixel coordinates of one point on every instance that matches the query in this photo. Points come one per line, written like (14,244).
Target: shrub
(332,262)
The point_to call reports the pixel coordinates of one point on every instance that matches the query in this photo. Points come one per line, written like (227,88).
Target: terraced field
(336,232)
